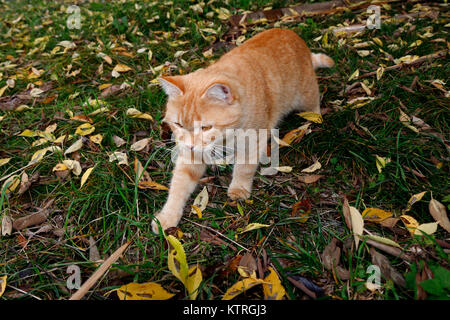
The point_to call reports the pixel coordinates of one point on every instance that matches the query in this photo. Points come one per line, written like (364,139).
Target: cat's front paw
(166,220)
(236,193)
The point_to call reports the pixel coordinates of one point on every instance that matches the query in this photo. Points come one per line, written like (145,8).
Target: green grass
(111,208)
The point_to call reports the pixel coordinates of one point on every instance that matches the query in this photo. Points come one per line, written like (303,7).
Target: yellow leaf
(357,224)
(377,41)
(38,155)
(121,68)
(121,157)
(414,198)
(2,90)
(85,129)
(197,210)
(406,121)
(354,75)
(177,259)
(4,161)
(380,72)
(410,223)
(294,135)
(375,214)
(104,86)
(311,116)
(96,138)
(381,162)
(85,176)
(151,185)
(428,228)
(74,166)
(143,291)
(134,113)
(51,128)
(10,184)
(315,166)
(3,284)
(240,287)
(254,226)
(273,290)
(28,133)
(60,167)
(200,201)
(193,282)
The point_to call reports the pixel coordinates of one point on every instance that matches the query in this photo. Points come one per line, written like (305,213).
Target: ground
(54,78)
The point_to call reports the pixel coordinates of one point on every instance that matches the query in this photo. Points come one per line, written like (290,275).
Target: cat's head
(200,109)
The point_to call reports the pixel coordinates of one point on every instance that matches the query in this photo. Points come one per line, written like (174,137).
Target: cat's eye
(206,128)
(178,124)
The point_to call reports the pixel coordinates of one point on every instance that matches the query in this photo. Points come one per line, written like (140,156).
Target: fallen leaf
(4,161)
(121,157)
(193,282)
(375,214)
(143,291)
(201,201)
(118,141)
(310,178)
(177,262)
(381,162)
(414,198)
(97,139)
(121,68)
(346,213)
(428,228)
(85,176)
(75,146)
(240,287)
(10,184)
(139,145)
(151,185)
(379,239)
(311,116)
(73,165)
(3,284)
(7,224)
(85,129)
(386,269)
(315,166)
(294,136)
(134,113)
(406,121)
(357,224)
(410,223)
(330,259)
(301,210)
(254,226)
(273,289)
(439,213)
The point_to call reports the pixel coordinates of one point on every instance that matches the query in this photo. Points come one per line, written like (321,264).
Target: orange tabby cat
(251,87)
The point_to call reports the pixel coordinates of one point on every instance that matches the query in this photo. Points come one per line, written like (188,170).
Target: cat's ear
(172,86)
(220,92)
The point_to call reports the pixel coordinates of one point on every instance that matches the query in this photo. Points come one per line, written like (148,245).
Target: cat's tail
(320,60)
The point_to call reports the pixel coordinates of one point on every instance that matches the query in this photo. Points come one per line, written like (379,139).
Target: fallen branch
(302,287)
(428,57)
(100,271)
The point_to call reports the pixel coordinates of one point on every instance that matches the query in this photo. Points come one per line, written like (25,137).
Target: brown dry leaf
(247,266)
(25,183)
(295,135)
(414,198)
(121,68)
(386,269)
(330,259)
(346,213)
(304,206)
(118,141)
(310,178)
(140,145)
(439,213)
(7,224)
